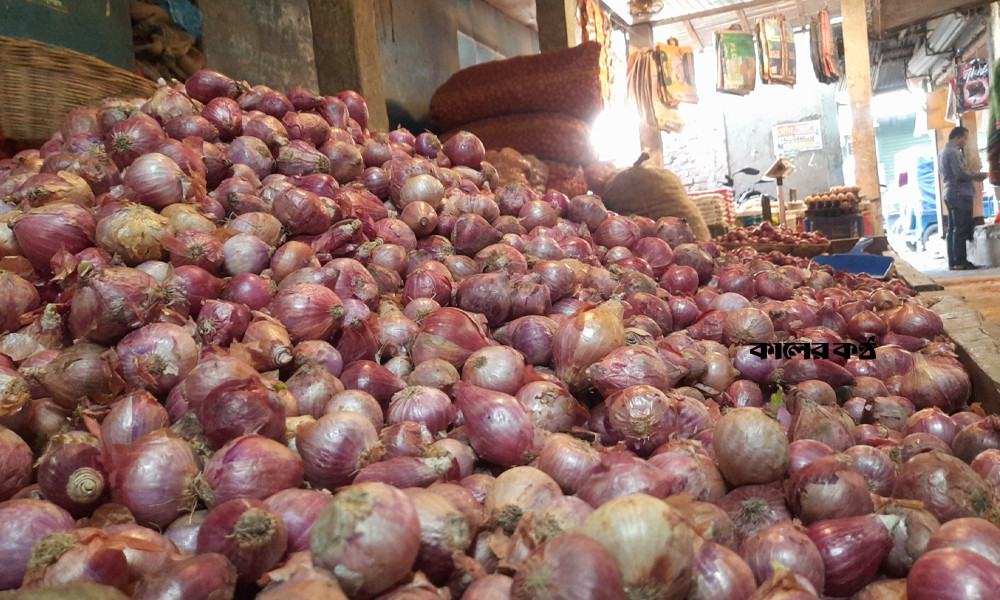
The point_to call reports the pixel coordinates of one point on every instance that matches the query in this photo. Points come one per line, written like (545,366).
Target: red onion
(750,446)
(337,446)
(16,465)
(951,574)
(299,509)
(852,549)
(680,279)
(157,356)
(932,382)
(585,339)
(754,507)
(359,402)
(916,321)
(129,139)
(78,556)
(422,404)
(568,460)
(551,405)
(828,488)
(977,437)
(154,478)
(987,466)
(19,297)
(248,533)
(250,466)
(933,421)
(495,368)
(948,487)
(23,524)
(797,370)
(252,152)
(721,573)
(368,536)
(245,253)
(207,575)
(250,289)
(500,428)
(823,424)
(691,473)
(620,475)
(71,473)
(373,378)
(44,231)
(184,532)
(570,561)
(308,311)
(743,392)
(449,334)
(785,544)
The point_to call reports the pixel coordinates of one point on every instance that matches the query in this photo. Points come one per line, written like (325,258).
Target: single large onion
(948,487)
(248,533)
(368,536)
(785,544)
(155,477)
(952,574)
(250,466)
(500,428)
(585,339)
(852,549)
(651,543)
(22,524)
(750,447)
(569,562)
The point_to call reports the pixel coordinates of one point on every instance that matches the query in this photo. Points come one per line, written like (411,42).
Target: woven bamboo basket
(39,84)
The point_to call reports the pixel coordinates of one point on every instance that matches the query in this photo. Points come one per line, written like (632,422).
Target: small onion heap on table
(249,347)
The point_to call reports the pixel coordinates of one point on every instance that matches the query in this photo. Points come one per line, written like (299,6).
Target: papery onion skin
(720,573)
(948,487)
(750,446)
(368,536)
(500,428)
(651,543)
(585,339)
(298,510)
(569,562)
(829,488)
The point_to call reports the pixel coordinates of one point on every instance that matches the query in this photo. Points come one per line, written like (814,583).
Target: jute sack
(653,192)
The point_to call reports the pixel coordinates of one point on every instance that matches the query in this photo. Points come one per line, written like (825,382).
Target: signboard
(792,138)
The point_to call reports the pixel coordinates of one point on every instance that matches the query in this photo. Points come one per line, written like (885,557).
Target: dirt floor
(981,293)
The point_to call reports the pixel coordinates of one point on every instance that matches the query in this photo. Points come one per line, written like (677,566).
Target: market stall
(251,346)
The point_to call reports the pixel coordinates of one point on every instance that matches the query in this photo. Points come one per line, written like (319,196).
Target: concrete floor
(934,264)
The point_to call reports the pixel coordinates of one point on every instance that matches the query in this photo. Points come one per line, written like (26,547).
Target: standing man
(958,192)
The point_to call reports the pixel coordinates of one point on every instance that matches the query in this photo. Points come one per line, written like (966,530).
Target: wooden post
(640,38)
(557,26)
(346,49)
(859,87)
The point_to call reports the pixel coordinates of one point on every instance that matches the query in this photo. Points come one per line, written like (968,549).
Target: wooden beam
(346,49)
(713,12)
(893,15)
(802,14)
(743,20)
(695,40)
(556,24)
(859,88)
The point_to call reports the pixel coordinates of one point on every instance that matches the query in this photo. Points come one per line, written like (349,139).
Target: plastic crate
(835,228)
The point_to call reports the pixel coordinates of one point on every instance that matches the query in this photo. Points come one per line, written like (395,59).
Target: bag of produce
(559,81)
(737,68)
(653,192)
(777,50)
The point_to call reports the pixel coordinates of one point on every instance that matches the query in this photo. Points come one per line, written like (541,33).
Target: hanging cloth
(828,47)
(777,50)
(645,91)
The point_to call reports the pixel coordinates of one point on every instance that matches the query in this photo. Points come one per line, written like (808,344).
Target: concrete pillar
(346,49)
(859,87)
(641,37)
(556,24)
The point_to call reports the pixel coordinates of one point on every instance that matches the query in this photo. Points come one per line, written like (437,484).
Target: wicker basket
(39,84)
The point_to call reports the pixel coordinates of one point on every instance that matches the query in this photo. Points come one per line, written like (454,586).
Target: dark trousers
(959,229)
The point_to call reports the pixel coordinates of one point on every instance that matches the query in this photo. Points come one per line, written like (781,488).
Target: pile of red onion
(250,348)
